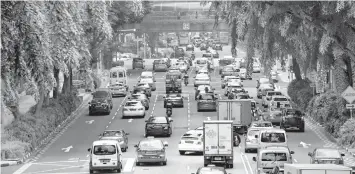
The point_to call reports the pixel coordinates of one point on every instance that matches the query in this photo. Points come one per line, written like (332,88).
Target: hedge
(329,109)
(300,92)
(347,132)
(26,132)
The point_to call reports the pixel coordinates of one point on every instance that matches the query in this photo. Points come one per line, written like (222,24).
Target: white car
(191,141)
(133,108)
(182,66)
(203,71)
(274,76)
(200,64)
(278,101)
(256,68)
(150,82)
(202,79)
(261,124)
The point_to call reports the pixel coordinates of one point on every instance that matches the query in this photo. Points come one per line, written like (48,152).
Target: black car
(176,99)
(158,126)
(211,169)
(101,102)
(190,48)
(203,47)
(138,63)
(218,47)
(292,118)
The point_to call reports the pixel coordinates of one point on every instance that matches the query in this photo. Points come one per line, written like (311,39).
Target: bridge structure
(179,16)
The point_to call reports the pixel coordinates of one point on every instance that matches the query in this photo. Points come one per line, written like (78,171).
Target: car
(203,46)
(203,71)
(143,87)
(225,61)
(262,80)
(202,89)
(207,101)
(150,82)
(182,66)
(214,54)
(263,89)
(175,72)
(151,150)
(191,141)
(133,108)
(279,102)
(207,55)
(119,135)
(141,97)
(243,74)
(211,169)
(101,101)
(158,125)
(202,79)
(201,63)
(326,156)
(160,65)
(138,63)
(251,143)
(270,156)
(292,118)
(261,124)
(227,79)
(119,89)
(267,97)
(274,76)
(218,47)
(176,99)
(242,96)
(275,116)
(190,47)
(256,68)
(233,87)
(229,71)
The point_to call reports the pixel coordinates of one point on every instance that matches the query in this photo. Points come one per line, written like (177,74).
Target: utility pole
(144,52)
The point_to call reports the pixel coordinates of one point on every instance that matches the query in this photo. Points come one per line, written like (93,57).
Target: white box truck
(316,169)
(218,143)
(239,111)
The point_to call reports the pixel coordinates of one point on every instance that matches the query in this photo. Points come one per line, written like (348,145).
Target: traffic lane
(87,127)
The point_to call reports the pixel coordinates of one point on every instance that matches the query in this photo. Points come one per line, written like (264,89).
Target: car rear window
(158,120)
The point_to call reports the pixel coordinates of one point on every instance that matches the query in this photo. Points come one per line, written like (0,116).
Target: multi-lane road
(58,158)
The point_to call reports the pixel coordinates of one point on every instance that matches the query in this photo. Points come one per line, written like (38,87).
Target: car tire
(91,171)
(302,129)
(138,164)
(182,152)
(246,150)
(164,163)
(119,170)
(108,112)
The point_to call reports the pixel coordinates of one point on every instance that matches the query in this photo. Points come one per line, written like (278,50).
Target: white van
(147,75)
(118,75)
(105,155)
(273,136)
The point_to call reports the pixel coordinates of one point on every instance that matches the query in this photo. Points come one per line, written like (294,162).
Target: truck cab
(173,83)
(316,169)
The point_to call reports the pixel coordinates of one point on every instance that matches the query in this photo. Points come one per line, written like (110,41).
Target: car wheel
(302,129)
(164,163)
(91,171)
(137,164)
(119,170)
(108,112)
(182,152)
(90,113)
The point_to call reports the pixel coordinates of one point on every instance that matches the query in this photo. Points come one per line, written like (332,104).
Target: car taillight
(140,109)
(302,118)
(125,109)
(199,143)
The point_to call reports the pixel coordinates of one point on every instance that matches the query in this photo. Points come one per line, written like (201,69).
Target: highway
(86,129)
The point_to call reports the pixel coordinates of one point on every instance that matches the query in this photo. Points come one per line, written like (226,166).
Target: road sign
(350,106)
(349,94)
(313,76)
(186,26)
(312,85)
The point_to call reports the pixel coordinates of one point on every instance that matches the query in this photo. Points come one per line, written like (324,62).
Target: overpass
(178,16)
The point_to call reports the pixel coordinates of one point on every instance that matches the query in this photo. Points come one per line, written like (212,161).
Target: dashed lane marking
(243,161)
(188,112)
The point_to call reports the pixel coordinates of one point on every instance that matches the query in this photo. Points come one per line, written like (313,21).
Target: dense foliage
(300,92)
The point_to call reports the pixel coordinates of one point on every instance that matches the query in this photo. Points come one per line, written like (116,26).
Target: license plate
(105,161)
(329,162)
(189,142)
(218,158)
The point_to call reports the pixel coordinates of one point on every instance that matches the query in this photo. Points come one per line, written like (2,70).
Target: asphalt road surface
(81,134)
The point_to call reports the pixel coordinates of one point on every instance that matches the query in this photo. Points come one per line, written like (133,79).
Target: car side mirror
(127,133)
(292,152)
(136,145)
(256,136)
(254,158)
(310,154)
(89,149)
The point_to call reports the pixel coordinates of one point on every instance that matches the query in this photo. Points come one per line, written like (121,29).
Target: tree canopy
(41,38)
(318,34)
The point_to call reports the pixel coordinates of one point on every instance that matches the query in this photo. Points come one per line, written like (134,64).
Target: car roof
(279,96)
(104,142)
(274,148)
(274,130)
(202,76)
(147,73)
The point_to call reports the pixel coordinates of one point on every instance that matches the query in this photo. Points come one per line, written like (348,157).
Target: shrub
(300,92)
(347,132)
(26,132)
(329,109)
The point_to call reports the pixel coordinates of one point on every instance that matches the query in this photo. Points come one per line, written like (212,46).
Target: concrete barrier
(10,162)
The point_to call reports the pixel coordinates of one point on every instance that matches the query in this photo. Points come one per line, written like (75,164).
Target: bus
(224,38)
(184,38)
(118,74)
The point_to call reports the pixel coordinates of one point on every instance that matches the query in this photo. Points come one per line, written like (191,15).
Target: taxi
(206,101)
(133,108)
(151,150)
(191,141)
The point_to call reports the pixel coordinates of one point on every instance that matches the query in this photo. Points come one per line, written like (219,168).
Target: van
(118,75)
(105,155)
(276,137)
(147,75)
(270,156)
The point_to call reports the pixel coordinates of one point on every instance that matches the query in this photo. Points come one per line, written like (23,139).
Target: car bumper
(160,69)
(119,93)
(132,114)
(249,145)
(157,132)
(256,70)
(177,103)
(101,109)
(151,159)
(111,167)
(206,107)
(201,83)
(190,148)
(288,126)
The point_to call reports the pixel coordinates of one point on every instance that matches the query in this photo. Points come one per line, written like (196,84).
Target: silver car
(118,135)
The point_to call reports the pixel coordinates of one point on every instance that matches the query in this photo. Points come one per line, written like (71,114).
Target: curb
(46,140)
(10,163)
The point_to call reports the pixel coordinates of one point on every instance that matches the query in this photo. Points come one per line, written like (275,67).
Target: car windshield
(100,94)
(139,97)
(274,93)
(131,103)
(151,145)
(273,137)
(142,85)
(104,150)
(272,156)
(206,55)
(120,85)
(174,71)
(280,99)
(243,96)
(170,76)
(158,120)
(327,153)
(206,97)
(173,96)
(112,133)
(262,125)
(201,62)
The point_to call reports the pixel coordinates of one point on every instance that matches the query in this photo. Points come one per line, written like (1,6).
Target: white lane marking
(245,166)
(247,161)
(130,120)
(155,101)
(53,162)
(113,117)
(23,168)
(116,113)
(129,165)
(87,156)
(67,149)
(188,110)
(295,160)
(109,122)
(89,122)
(46,171)
(208,118)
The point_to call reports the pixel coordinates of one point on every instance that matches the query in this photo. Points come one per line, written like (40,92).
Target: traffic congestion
(198,113)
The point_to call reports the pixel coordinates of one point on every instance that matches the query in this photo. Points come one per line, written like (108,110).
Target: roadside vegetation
(320,37)
(40,39)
